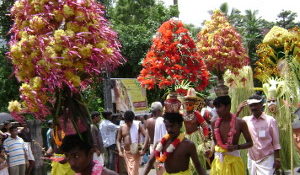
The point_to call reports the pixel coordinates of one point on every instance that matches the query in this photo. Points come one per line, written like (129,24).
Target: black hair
(75,141)
(12,128)
(129,116)
(94,114)
(222,100)
(173,117)
(257,97)
(106,114)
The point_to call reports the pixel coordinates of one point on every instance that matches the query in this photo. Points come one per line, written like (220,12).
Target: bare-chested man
(227,159)
(177,162)
(156,130)
(129,135)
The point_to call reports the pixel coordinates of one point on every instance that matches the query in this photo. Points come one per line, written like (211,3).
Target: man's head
(50,123)
(255,103)
(7,125)
(210,103)
(223,105)
(13,130)
(128,117)
(78,151)
(156,109)
(190,104)
(95,117)
(173,123)
(107,115)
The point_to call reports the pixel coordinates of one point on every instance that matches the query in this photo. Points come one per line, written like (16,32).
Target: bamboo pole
(292,150)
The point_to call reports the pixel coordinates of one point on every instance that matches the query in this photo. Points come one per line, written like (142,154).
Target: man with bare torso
(177,159)
(129,135)
(156,129)
(227,131)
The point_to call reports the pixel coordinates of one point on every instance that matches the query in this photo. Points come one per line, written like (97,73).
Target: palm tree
(252,32)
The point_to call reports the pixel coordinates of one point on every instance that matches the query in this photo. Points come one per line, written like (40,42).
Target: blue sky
(196,11)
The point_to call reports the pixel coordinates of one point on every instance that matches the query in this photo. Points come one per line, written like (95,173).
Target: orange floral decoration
(221,46)
(173,58)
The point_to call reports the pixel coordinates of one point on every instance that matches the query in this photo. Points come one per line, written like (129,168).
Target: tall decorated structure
(57,49)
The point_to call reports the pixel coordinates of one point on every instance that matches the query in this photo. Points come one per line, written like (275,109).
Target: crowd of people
(121,144)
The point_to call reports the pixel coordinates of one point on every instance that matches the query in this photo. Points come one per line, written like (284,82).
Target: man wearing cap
(156,129)
(263,157)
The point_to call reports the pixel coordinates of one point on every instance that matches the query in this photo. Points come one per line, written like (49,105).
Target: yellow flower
(73,78)
(86,51)
(50,52)
(68,11)
(79,16)
(25,87)
(37,23)
(16,51)
(276,36)
(37,83)
(109,51)
(73,27)
(102,44)
(58,34)
(14,106)
(31,39)
(84,29)
(58,16)
(70,33)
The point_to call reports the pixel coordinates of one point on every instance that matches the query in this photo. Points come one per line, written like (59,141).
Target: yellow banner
(129,95)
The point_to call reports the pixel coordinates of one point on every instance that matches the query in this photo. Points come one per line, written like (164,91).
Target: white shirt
(160,130)
(211,110)
(108,132)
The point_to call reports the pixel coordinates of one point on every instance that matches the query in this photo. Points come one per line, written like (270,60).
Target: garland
(231,132)
(162,156)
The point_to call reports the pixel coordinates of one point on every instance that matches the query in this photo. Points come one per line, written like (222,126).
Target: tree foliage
(286,19)
(136,23)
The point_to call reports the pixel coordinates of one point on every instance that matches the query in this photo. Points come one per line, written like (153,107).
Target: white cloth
(98,158)
(134,131)
(108,132)
(220,155)
(261,167)
(212,111)
(28,151)
(159,130)
(4,171)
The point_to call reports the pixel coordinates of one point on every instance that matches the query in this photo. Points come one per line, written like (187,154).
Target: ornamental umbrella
(5,117)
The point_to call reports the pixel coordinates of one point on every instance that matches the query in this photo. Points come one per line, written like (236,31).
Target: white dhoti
(261,167)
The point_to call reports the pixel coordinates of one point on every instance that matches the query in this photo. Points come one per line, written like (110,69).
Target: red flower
(172,59)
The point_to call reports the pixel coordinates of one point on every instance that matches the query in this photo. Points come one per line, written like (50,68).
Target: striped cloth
(15,150)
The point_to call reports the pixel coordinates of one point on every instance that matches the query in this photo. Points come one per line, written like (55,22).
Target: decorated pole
(57,49)
(221,48)
(278,68)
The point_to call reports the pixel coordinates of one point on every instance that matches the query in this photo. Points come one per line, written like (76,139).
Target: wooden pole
(107,93)
(36,146)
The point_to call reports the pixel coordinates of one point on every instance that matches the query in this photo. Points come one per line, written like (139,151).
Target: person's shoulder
(187,143)
(240,120)
(150,119)
(269,118)
(247,118)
